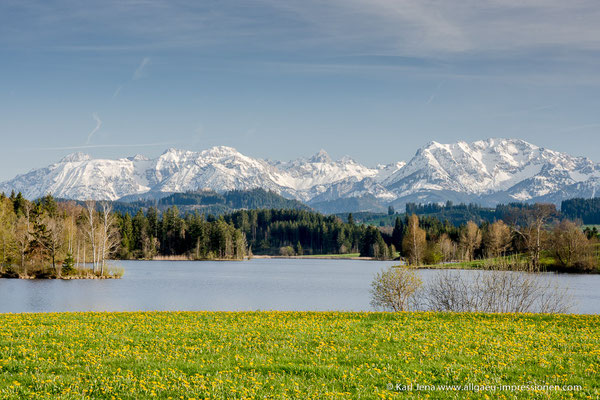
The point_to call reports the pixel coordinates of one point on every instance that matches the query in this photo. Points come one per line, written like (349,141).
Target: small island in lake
(46,239)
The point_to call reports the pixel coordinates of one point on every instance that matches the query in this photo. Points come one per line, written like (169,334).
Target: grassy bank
(294,355)
(547,263)
(51,273)
(348,256)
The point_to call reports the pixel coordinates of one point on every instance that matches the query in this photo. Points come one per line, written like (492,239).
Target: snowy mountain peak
(486,171)
(138,157)
(220,151)
(432,143)
(170,150)
(75,157)
(321,157)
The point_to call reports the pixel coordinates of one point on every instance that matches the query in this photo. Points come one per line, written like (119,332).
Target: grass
(12,272)
(591,226)
(349,255)
(294,355)
(547,261)
(474,264)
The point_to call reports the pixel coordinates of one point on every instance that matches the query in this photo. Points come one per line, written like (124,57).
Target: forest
(49,238)
(45,239)
(584,210)
(534,236)
(298,232)
(169,234)
(210,202)
(262,232)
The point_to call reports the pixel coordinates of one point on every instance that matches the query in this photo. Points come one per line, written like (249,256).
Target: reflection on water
(259,284)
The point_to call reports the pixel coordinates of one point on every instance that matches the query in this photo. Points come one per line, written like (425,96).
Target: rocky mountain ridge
(487,172)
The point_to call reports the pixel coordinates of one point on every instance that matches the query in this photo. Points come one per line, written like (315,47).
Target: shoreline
(316,257)
(60,278)
(263,257)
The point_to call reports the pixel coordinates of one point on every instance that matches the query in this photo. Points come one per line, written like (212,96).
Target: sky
(281,79)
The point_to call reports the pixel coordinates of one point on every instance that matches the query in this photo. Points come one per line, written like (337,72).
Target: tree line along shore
(47,238)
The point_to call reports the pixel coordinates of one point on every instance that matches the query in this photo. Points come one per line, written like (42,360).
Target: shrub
(393,289)
(495,291)
(287,251)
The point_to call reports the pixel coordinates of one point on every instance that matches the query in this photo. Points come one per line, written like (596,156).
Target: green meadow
(298,355)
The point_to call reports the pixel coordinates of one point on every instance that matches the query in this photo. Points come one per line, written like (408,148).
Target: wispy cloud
(96,129)
(541,38)
(430,26)
(388,26)
(139,72)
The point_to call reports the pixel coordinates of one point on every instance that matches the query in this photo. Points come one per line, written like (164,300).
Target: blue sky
(374,79)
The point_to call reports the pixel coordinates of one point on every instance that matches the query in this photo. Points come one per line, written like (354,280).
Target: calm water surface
(259,284)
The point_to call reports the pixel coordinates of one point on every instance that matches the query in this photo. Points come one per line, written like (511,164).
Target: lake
(258,284)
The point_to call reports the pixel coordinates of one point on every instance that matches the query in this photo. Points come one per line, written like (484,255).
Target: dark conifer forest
(50,235)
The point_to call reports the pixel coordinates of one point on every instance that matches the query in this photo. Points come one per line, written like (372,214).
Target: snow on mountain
(78,176)
(219,168)
(507,169)
(487,171)
(353,187)
(320,169)
(385,171)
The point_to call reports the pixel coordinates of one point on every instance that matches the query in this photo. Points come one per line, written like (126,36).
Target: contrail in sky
(140,70)
(137,74)
(99,146)
(98,125)
(116,93)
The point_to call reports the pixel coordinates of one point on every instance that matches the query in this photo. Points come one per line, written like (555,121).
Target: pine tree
(398,233)
(350,219)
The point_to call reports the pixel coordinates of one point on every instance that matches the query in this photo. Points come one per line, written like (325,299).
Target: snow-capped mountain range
(487,172)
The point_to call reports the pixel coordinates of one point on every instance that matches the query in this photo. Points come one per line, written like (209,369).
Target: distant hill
(455,214)
(210,202)
(368,203)
(585,210)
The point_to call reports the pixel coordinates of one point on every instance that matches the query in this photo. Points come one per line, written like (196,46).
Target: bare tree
(415,241)
(109,234)
(570,245)
(92,225)
(447,247)
(495,291)
(448,291)
(498,239)
(394,288)
(470,240)
(70,225)
(531,230)
(81,227)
